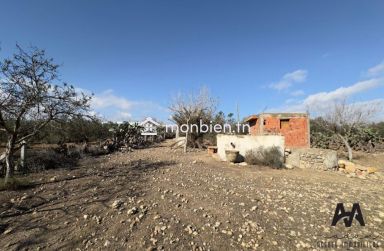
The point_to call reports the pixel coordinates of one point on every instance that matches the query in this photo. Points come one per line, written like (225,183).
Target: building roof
(277,114)
(250,118)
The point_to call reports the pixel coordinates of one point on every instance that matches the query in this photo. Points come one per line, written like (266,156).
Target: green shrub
(270,157)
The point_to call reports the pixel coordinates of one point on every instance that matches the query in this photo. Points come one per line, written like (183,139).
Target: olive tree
(193,109)
(30,91)
(343,120)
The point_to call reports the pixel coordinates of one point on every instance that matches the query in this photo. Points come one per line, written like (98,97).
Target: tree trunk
(186,142)
(10,168)
(186,137)
(347,146)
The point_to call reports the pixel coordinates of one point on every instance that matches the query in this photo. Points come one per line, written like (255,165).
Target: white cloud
(108,99)
(376,70)
(118,108)
(120,116)
(321,102)
(323,98)
(297,93)
(289,79)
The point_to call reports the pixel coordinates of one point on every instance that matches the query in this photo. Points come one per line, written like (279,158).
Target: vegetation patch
(15,184)
(39,160)
(265,156)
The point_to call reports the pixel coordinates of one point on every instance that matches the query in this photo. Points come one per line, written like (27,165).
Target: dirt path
(159,198)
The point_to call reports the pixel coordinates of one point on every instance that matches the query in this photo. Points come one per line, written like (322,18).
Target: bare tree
(191,109)
(28,94)
(343,119)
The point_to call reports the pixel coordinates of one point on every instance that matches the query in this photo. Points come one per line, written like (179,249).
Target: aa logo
(348,217)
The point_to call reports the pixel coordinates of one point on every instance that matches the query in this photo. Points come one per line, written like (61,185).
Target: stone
(288,166)
(133,210)
(372,169)
(24,197)
(351,175)
(350,167)
(7,231)
(157,230)
(116,204)
(361,168)
(330,160)
(189,229)
(253,208)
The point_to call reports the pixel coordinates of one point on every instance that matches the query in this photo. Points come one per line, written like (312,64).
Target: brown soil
(159,198)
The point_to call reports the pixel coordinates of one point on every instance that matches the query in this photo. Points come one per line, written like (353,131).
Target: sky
(258,56)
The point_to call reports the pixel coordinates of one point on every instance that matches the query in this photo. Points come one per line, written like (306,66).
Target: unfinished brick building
(293,126)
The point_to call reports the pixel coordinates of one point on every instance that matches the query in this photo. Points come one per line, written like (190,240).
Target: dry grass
(15,184)
(265,156)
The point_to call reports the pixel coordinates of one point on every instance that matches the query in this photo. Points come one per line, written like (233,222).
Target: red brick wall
(296,131)
(296,135)
(254,127)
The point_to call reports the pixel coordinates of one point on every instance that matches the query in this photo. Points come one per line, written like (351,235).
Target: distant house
(150,127)
(293,126)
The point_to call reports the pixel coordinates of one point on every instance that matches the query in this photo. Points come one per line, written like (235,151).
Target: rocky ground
(159,198)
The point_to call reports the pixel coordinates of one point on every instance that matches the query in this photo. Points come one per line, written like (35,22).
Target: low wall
(313,158)
(244,143)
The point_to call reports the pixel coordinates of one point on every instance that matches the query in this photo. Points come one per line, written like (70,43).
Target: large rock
(348,166)
(330,160)
(372,169)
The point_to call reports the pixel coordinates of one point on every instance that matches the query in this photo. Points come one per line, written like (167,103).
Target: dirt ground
(162,199)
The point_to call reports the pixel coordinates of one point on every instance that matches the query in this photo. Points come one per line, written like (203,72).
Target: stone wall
(244,143)
(313,158)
